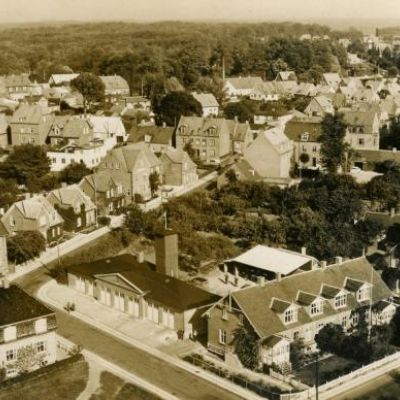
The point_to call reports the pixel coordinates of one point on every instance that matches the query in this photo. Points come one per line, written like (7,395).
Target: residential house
(75,207)
(210,137)
(209,103)
(105,191)
(71,131)
(319,106)
(157,138)
(362,129)
(30,124)
(265,91)
(241,86)
(108,128)
(115,87)
(305,134)
(5,131)
(331,79)
(298,306)
(283,76)
(143,290)
(17,86)
(132,165)
(61,79)
(34,214)
(367,159)
(242,170)
(241,135)
(270,155)
(177,168)
(25,323)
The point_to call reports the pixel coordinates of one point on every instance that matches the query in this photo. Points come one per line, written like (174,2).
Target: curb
(235,389)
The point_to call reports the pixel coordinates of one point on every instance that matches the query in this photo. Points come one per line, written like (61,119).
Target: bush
(104,221)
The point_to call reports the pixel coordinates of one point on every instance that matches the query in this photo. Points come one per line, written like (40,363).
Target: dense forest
(146,54)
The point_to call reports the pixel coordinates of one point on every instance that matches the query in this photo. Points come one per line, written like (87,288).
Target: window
(340,301)
(41,325)
(289,316)
(224,314)
(314,149)
(11,355)
(296,335)
(63,161)
(344,321)
(304,137)
(222,336)
(363,294)
(40,346)
(316,308)
(361,142)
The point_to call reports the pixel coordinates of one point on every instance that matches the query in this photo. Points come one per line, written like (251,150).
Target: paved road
(172,379)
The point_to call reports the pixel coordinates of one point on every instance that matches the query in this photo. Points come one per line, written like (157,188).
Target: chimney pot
(304,250)
(261,281)
(140,257)
(323,264)
(278,276)
(338,260)
(393,263)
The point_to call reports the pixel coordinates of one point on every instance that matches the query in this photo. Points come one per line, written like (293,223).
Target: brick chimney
(166,246)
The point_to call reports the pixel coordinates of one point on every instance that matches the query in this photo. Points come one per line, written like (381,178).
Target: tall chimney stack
(166,246)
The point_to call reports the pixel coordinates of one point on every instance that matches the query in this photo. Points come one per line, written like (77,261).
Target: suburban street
(168,377)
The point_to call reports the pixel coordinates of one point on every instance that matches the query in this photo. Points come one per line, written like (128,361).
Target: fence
(259,388)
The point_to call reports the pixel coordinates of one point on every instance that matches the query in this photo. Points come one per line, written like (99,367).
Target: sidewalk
(43,295)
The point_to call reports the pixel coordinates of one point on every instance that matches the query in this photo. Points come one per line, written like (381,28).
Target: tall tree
(333,145)
(90,86)
(177,104)
(25,161)
(73,173)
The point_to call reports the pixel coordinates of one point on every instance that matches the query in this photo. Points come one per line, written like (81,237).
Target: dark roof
(18,306)
(298,126)
(374,156)
(158,134)
(164,289)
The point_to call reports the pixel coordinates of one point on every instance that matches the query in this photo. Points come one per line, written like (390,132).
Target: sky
(155,10)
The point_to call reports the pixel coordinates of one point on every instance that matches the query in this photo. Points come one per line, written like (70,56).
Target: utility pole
(316,376)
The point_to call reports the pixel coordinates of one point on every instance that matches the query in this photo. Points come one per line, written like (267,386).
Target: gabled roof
(330,292)
(206,99)
(164,289)
(353,284)
(101,181)
(332,78)
(199,125)
(279,306)
(28,114)
(114,82)
(359,118)
(287,75)
(296,127)
(18,306)
(72,196)
(243,83)
(107,125)
(177,156)
(305,298)
(58,79)
(238,130)
(255,301)
(158,134)
(17,80)
(72,127)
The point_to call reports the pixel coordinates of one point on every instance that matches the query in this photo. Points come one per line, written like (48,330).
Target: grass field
(63,384)
(114,388)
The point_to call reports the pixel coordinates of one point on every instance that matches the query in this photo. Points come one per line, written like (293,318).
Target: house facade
(105,191)
(305,134)
(74,206)
(210,138)
(25,323)
(319,106)
(132,165)
(30,124)
(143,290)
(241,86)
(157,138)
(298,306)
(177,168)
(209,103)
(115,87)
(270,154)
(34,214)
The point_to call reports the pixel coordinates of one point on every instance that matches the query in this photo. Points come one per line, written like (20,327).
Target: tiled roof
(298,126)
(177,156)
(62,78)
(158,134)
(247,82)
(164,289)
(256,301)
(114,82)
(71,195)
(18,306)
(101,181)
(206,99)
(200,125)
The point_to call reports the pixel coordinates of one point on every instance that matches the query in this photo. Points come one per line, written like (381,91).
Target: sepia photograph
(200,200)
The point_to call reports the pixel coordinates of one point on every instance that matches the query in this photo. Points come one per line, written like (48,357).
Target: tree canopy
(177,104)
(73,173)
(90,86)
(25,246)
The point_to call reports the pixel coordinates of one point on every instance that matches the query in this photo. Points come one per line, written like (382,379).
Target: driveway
(166,376)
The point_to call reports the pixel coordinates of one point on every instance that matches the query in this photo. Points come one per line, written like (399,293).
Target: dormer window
(304,137)
(341,300)
(316,307)
(211,131)
(290,316)
(364,293)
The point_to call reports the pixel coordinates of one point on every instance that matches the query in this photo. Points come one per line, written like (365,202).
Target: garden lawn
(114,388)
(329,369)
(62,384)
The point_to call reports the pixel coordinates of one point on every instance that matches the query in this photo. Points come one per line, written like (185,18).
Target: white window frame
(222,336)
